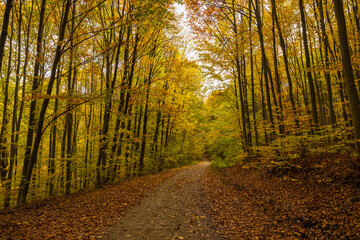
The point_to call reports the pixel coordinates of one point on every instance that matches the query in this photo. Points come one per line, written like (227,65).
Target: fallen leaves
(248,203)
(81,216)
(177,237)
(245,203)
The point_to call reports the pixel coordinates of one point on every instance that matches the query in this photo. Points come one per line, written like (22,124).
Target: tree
(33,157)
(348,70)
(307,58)
(4,122)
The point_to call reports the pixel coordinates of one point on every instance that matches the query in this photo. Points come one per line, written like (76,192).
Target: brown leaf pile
(250,203)
(81,216)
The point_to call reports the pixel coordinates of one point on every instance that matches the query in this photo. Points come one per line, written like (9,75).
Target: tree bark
(32,118)
(265,67)
(326,72)
(348,70)
(37,140)
(308,73)
(4,29)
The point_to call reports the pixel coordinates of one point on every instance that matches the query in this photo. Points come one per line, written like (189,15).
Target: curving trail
(174,210)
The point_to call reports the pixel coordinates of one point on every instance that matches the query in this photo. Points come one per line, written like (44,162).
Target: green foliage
(223,143)
(224,151)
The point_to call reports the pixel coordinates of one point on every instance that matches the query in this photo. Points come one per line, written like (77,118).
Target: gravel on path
(174,210)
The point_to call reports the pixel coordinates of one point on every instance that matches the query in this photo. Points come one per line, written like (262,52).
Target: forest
(97,92)
(92,92)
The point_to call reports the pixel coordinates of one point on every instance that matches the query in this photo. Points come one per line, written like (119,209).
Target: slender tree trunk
(348,70)
(246,104)
(238,74)
(104,141)
(13,147)
(4,29)
(263,106)
(22,104)
(236,98)
(128,112)
(154,145)
(127,147)
(286,63)
(69,114)
(53,141)
(265,67)
(62,157)
(326,73)
(4,172)
(342,100)
(252,77)
(88,134)
(277,80)
(32,160)
(144,132)
(307,58)
(32,119)
(318,93)
(127,107)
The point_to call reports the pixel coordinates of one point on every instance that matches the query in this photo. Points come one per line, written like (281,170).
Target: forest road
(174,210)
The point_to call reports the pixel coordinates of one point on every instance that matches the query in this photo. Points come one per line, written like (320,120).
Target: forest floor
(302,199)
(167,205)
(314,197)
(86,215)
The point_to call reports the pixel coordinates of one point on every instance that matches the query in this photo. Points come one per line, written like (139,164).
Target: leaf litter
(80,216)
(310,198)
(255,201)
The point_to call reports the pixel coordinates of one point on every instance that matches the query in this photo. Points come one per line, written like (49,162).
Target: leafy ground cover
(314,197)
(81,216)
(310,198)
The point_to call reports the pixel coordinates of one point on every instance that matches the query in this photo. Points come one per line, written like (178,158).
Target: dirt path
(174,210)
(85,215)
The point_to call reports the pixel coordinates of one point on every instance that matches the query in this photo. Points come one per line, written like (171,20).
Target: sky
(185,33)
(209,84)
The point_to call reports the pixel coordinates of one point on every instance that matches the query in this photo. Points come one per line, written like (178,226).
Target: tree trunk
(13,146)
(4,29)
(252,77)
(32,118)
(5,121)
(286,63)
(348,70)
(265,67)
(144,132)
(277,80)
(26,182)
(69,114)
(326,73)
(238,74)
(307,58)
